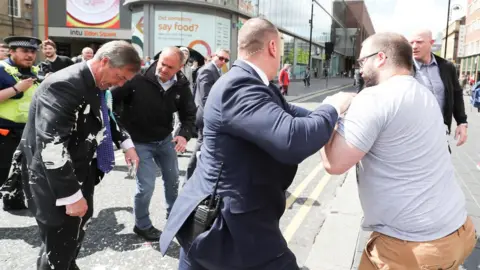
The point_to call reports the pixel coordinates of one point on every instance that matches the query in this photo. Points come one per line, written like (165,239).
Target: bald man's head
(255,35)
(422,41)
(259,42)
(169,63)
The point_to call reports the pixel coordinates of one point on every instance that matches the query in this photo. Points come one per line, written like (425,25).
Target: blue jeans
(163,155)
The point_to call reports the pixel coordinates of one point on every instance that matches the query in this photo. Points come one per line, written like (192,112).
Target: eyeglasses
(221,58)
(361,61)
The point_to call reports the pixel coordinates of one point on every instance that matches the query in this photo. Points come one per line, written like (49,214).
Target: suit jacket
(454,104)
(260,139)
(60,140)
(206,78)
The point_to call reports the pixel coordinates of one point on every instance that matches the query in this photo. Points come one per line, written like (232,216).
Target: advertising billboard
(137,31)
(201,32)
(93,14)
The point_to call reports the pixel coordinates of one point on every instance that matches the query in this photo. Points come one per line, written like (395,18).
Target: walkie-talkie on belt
(207,211)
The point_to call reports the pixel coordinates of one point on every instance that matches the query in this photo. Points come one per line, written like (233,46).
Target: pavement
(111,244)
(297,90)
(340,242)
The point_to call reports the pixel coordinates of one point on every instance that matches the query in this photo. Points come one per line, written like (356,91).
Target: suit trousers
(286,261)
(61,244)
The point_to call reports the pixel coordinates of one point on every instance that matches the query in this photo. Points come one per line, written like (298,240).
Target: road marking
(319,94)
(293,197)
(303,211)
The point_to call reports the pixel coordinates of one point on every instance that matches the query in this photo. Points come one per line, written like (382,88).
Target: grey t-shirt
(407,184)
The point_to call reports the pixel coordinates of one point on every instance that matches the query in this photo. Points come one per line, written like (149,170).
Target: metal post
(446,32)
(311,29)
(12,17)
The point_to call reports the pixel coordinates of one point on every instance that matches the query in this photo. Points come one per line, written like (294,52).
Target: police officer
(18,81)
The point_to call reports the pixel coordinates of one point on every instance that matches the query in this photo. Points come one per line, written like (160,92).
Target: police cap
(23,42)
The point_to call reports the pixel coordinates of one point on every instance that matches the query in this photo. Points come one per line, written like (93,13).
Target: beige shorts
(389,253)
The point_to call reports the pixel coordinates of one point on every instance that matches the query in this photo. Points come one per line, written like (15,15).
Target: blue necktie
(105,154)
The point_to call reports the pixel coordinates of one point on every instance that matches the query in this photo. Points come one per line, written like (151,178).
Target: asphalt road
(111,244)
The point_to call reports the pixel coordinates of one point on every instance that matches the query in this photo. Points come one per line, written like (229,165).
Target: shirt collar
(433,62)
(166,85)
(260,72)
(89,65)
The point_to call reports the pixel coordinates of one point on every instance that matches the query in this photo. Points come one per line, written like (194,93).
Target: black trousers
(61,244)
(192,163)
(8,145)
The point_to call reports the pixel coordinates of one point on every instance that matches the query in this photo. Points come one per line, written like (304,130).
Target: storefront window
(288,49)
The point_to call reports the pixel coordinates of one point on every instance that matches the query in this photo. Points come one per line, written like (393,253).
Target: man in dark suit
(440,77)
(253,142)
(206,78)
(67,147)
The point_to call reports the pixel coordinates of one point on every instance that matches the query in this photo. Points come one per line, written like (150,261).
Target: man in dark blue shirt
(18,81)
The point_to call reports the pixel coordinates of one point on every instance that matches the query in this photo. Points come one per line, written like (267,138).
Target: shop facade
(73,24)
(206,26)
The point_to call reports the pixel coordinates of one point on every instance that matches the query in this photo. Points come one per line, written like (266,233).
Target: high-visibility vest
(16,110)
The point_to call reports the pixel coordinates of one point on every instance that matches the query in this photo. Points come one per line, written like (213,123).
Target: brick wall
(22,26)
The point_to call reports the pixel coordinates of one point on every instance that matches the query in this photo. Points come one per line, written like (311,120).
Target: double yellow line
(307,205)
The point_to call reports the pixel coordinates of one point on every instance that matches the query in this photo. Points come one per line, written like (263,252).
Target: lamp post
(311,29)
(446,32)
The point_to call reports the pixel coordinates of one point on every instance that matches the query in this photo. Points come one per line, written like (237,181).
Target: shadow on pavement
(103,233)
(300,200)
(28,234)
(473,261)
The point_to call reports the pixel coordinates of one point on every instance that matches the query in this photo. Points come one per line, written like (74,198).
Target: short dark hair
(49,42)
(254,34)
(395,46)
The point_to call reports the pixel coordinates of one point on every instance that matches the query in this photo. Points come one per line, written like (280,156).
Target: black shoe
(13,205)
(150,234)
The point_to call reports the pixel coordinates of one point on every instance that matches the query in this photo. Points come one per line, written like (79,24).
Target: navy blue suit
(260,139)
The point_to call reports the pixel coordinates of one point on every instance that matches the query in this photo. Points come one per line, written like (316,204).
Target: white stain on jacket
(87,109)
(54,154)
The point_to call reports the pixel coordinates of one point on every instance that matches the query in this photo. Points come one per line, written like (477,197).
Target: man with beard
(394,131)
(68,147)
(17,84)
(54,62)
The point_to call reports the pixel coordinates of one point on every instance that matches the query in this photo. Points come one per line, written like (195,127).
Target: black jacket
(60,140)
(454,105)
(146,109)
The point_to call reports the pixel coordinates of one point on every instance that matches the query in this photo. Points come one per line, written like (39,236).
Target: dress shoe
(150,234)
(13,205)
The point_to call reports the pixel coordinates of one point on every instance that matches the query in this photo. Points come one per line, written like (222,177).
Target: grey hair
(177,51)
(120,54)
(227,51)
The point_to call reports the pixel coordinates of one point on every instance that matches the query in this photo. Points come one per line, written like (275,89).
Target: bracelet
(16,90)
